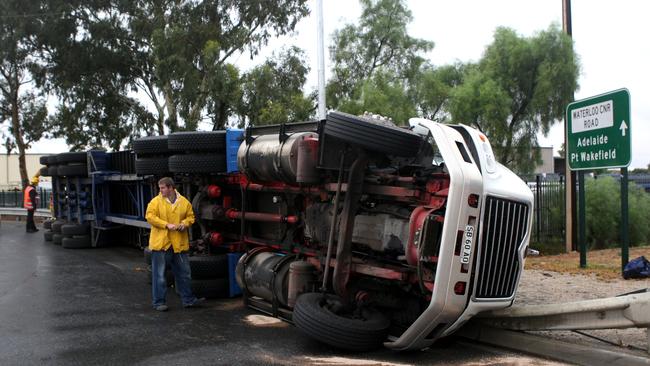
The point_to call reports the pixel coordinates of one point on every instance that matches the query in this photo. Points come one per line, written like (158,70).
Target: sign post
(599,136)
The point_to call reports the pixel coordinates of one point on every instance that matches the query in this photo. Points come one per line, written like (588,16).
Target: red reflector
(214,191)
(472,200)
(459,288)
(216,239)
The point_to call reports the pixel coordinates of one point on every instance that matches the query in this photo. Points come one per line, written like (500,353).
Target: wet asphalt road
(92,307)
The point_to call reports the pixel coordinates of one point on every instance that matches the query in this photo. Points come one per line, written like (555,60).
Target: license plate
(468,241)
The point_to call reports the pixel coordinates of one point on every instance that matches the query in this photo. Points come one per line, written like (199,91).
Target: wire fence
(14,198)
(549,210)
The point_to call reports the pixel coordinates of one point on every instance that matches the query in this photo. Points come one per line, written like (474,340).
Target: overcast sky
(608,37)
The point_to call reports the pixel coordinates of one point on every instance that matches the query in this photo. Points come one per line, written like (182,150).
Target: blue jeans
(180,265)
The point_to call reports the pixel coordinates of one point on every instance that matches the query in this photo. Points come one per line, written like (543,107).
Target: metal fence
(14,198)
(549,211)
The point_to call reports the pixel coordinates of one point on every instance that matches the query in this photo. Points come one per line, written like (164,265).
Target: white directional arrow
(623,128)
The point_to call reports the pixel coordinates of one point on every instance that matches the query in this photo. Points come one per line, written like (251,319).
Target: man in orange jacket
(170,216)
(30,201)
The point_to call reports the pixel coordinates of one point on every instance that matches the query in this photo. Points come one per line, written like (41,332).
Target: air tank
(265,275)
(268,159)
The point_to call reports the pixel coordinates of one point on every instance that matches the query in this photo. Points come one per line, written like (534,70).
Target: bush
(603,213)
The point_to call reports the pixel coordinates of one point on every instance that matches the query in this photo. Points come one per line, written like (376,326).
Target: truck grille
(504,228)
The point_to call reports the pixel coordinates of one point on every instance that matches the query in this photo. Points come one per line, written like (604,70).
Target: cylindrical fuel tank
(301,278)
(256,272)
(268,159)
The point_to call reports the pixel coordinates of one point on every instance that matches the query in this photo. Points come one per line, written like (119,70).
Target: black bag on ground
(637,268)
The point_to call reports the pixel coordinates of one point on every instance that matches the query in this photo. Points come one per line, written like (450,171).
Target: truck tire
(312,314)
(372,134)
(197,163)
(56,226)
(76,242)
(47,235)
(211,289)
(57,238)
(44,171)
(44,160)
(151,145)
(72,157)
(53,170)
(152,166)
(75,170)
(47,224)
(207,141)
(75,229)
(209,267)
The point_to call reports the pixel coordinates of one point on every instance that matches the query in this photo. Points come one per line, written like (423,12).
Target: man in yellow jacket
(170,216)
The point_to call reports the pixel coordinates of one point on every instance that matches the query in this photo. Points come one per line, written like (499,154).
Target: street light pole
(570,186)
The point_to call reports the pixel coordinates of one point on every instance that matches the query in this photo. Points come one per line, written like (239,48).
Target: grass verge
(605,263)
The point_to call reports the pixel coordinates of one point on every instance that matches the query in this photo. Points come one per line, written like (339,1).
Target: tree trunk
(20,142)
(195,114)
(172,121)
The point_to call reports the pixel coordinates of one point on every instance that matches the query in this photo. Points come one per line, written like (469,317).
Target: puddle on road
(326,361)
(264,321)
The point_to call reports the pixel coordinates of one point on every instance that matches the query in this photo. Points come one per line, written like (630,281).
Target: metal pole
(581,226)
(538,209)
(625,238)
(570,190)
(321,61)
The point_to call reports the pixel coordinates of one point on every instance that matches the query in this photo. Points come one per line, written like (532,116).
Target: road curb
(549,348)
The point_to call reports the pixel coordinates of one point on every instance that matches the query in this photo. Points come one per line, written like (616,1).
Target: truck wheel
(75,229)
(45,171)
(210,289)
(153,145)
(57,238)
(197,141)
(44,160)
(151,166)
(206,267)
(56,226)
(48,235)
(76,242)
(197,163)
(372,134)
(52,170)
(72,157)
(47,224)
(321,318)
(75,170)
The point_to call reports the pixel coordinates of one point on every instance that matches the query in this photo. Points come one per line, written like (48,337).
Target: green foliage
(603,213)
(639,215)
(380,41)
(272,92)
(383,94)
(177,53)
(22,112)
(519,87)
(433,89)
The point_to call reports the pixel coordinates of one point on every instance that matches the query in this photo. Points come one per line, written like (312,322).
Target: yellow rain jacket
(161,212)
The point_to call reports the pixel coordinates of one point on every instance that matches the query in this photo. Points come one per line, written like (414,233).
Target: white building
(10,171)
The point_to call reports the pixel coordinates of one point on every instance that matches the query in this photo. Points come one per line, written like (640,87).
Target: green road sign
(599,131)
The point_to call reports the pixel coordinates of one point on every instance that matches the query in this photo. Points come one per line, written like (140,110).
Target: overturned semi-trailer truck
(357,231)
